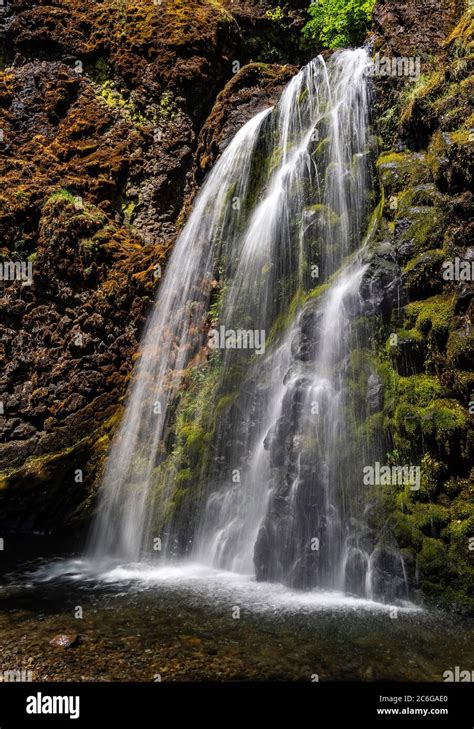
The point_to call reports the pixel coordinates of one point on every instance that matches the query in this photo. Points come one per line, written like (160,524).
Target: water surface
(182,623)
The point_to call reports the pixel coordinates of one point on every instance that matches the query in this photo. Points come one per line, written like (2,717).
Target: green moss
(420,195)
(405,337)
(433,560)
(427,515)
(425,421)
(425,88)
(185,475)
(167,106)
(316,292)
(460,349)
(194,439)
(100,71)
(422,274)
(224,403)
(399,170)
(430,518)
(443,421)
(322,145)
(285,319)
(89,245)
(186,19)
(450,157)
(114,99)
(460,529)
(408,535)
(62,194)
(462,137)
(426,227)
(128,208)
(434,316)
(436,256)
(420,390)
(37,469)
(304,93)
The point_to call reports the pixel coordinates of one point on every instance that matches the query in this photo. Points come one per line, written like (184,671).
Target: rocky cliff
(110,115)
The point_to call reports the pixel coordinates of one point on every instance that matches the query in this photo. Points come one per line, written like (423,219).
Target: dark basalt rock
(380,286)
(389,574)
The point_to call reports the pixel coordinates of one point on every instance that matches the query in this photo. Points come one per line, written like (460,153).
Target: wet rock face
(257,87)
(409,30)
(426,172)
(285,549)
(102,108)
(408,27)
(380,286)
(374,393)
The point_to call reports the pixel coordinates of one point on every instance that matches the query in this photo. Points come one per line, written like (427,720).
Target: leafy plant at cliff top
(337,23)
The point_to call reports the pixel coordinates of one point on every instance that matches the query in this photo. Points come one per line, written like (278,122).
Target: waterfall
(278,227)
(169,343)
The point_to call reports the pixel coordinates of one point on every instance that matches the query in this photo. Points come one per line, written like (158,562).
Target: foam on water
(208,585)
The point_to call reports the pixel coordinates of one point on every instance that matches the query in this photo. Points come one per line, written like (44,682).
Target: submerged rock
(64,640)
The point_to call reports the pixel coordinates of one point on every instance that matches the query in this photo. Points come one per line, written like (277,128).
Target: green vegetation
(62,194)
(114,99)
(167,107)
(337,23)
(275,14)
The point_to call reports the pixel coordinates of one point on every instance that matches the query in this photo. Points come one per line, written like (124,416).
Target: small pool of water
(189,622)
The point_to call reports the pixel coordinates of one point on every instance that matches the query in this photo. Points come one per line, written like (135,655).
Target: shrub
(337,23)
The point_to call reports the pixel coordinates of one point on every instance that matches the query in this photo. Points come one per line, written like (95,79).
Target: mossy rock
(407,352)
(460,349)
(451,156)
(324,213)
(399,170)
(433,317)
(433,561)
(446,422)
(426,195)
(421,227)
(420,390)
(423,275)
(420,97)
(407,533)
(431,519)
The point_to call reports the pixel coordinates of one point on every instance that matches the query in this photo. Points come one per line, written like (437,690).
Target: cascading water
(169,343)
(283,211)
